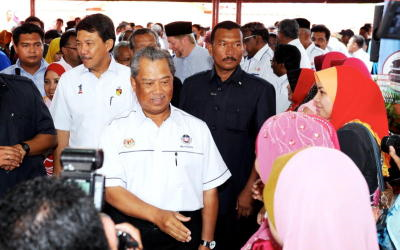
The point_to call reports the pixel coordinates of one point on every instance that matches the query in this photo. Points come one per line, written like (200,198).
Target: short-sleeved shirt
(234,110)
(23,115)
(312,52)
(169,166)
(84,104)
(37,77)
(198,60)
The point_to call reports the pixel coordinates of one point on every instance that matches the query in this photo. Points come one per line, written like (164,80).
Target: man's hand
(10,157)
(257,190)
(21,150)
(171,224)
(394,156)
(244,204)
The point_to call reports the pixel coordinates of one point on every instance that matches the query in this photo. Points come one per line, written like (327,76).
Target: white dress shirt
(260,65)
(84,104)
(168,166)
(312,52)
(66,65)
(363,56)
(335,45)
(305,61)
(282,101)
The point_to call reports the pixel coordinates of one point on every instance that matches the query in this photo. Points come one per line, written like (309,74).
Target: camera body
(80,166)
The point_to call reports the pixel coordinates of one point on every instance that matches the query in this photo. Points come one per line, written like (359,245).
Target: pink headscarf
(331,58)
(321,201)
(288,132)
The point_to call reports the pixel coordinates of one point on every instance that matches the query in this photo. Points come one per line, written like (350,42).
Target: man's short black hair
(26,28)
(99,23)
(65,37)
(49,213)
(322,28)
(60,20)
(289,28)
(257,29)
(289,55)
(51,34)
(359,40)
(229,25)
(32,19)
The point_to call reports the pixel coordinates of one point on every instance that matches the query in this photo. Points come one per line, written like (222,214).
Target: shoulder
(8,70)
(255,80)
(74,72)
(199,77)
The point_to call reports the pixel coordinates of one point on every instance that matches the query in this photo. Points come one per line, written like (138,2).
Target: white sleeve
(112,168)
(216,172)
(59,108)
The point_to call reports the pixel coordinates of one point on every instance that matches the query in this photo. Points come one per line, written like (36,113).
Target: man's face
(59,24)
(124,56)
(345,39)
(319,39)
(227,49)
(70,51)
(91,49)
(352,46)
(153,86)
(176,45)
(143,41)
(278,68)
(29,49)
(250,43)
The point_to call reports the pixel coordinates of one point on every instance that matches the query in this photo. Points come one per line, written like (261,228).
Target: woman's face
(50,83)
(323,103)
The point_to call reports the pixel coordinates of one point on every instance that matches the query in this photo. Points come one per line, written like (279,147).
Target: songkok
(303,23)
(178,28)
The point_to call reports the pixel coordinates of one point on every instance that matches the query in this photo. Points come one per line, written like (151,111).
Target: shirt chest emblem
(129,143)
(118,91)
(80,89)
(186,139)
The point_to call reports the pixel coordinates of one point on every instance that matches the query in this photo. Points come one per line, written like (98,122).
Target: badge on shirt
(118,91)
(80,89)
(128,143)
(186,139)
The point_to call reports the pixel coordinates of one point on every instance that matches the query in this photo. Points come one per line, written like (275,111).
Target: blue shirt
(37,78)
(197,61)
(4,60)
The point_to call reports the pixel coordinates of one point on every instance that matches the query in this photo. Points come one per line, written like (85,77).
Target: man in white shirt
(305,39)
(89,96)
(355,48)
(259,54)
(287,58)
(161,164)
(288,33)
(321,36)
(70,57)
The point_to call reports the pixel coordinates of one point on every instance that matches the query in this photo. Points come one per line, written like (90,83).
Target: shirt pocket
(188,165)
(238,118)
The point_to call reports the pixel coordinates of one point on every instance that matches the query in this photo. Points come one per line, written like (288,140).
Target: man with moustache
(28,44)
(90,95)
(234,104)
(189,58)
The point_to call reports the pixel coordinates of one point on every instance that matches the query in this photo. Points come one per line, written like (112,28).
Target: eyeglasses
(247,38)
(74,48)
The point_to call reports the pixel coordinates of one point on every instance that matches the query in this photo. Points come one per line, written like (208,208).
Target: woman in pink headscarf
(281,134)
(317,199)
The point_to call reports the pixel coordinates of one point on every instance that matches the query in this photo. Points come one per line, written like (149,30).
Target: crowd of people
(235,137)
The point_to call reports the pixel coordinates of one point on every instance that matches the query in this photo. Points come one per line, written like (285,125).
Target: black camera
(80,166)
(391,140)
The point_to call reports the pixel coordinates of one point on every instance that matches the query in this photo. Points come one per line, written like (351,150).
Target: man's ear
(133,84)
(109,44)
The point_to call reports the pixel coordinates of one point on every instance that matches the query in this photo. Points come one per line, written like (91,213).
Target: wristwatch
(25,147)
(209,244)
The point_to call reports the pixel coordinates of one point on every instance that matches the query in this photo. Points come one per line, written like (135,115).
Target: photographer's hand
(171,224)
(394,156)
(132,231)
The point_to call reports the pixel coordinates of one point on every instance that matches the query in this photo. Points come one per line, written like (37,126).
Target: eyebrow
(150,79)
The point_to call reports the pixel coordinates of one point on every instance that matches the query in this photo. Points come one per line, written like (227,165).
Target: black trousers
(154,238)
